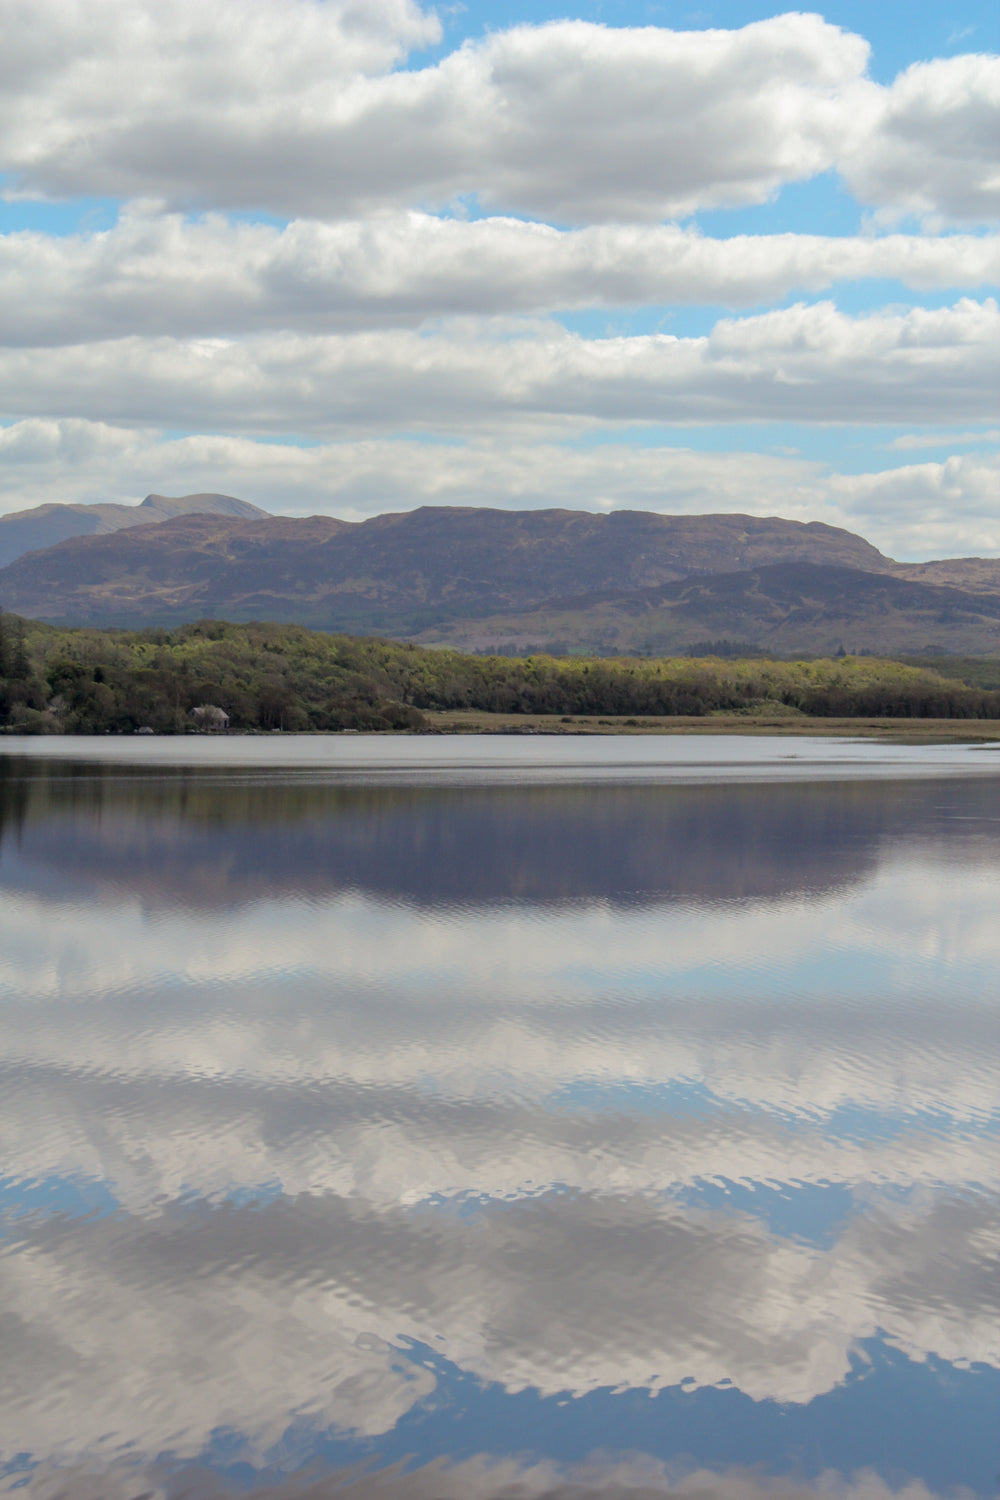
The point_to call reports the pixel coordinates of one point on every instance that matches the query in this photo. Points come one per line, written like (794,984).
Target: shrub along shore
(264,677)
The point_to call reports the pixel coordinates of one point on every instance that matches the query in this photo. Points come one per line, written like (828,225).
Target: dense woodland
(267,677)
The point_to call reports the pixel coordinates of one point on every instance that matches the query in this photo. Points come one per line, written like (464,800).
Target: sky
(353,256)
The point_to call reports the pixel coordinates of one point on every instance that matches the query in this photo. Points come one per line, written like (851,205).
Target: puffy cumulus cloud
(165,275)
(101,93)
(292,109)
(928,144)
(908,441)
(927,510)
(803,363)
(298,1308)
(914,511)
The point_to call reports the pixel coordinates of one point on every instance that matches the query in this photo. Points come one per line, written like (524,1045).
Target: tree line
(267,677)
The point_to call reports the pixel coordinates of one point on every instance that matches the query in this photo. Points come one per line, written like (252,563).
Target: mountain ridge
(394,572)
(478,578)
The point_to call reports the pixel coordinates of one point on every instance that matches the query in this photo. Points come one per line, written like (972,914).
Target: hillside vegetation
(268,677)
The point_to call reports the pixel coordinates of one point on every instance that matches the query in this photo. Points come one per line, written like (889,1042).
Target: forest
(283,677)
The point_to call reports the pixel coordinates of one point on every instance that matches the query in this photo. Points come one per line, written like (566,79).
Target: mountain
(785,608)
(481,579)
(395,573)
(28,530)
(976,575)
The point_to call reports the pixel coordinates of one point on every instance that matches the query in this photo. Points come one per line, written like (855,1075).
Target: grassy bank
(897,730)
(267,677)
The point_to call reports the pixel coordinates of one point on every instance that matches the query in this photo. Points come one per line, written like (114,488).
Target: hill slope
(396,573)
(785,608)
(45,526)
(482,579)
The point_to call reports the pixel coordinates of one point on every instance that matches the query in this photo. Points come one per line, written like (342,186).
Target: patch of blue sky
(875,294)
(272,440)
(696,320)
(82,216)
(817,205)
(58,218)
(848,448)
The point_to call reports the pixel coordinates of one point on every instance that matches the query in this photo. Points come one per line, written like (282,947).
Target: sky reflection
(426,1124)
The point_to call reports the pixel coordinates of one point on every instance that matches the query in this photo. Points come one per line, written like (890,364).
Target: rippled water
(499,1119)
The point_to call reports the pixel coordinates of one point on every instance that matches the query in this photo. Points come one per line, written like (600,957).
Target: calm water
(443,1118)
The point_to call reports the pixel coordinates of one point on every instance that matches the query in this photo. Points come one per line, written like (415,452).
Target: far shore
(898,730)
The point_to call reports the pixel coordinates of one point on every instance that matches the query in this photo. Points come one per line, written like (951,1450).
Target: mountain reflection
(397,1128)
(195,839)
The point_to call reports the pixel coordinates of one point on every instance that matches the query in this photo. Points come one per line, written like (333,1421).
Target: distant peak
(205,504)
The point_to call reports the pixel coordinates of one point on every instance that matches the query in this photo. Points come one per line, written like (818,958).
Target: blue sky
(484,255)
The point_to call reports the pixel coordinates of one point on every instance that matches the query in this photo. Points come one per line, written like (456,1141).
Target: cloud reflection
(157,1333)
(367,1114)
(481,1478)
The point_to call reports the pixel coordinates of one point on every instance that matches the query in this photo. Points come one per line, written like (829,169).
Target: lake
(494,1117)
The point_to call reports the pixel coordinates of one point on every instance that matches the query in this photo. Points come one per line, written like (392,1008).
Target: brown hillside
(786,608)
(396,573)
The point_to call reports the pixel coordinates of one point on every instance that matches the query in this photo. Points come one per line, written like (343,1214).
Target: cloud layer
(914,511)
(248,107)
(169,276)
(388,311)
(803,363)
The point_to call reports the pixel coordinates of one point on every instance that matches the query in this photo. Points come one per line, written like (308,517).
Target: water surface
(523,1118)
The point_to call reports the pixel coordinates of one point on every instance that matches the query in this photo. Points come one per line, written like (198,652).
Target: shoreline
(892,730)
(451,722)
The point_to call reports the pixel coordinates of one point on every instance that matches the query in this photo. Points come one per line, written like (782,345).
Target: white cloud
(293,109)
(915,511)
(250,106)
(99,92)
(927,510)
(910,440)
(929,144)
(164,275)
(804,363)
